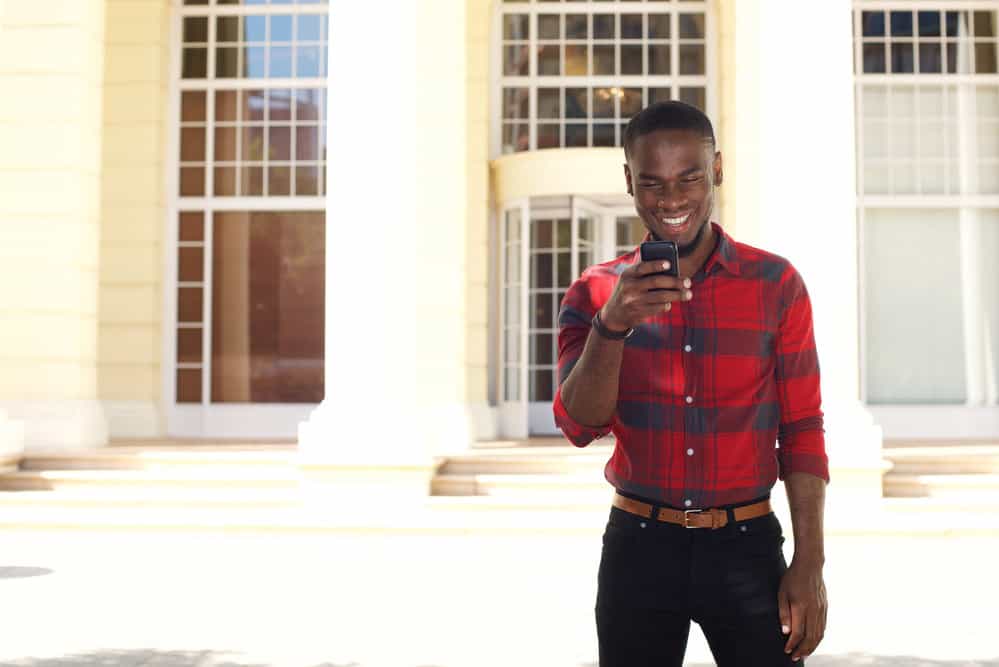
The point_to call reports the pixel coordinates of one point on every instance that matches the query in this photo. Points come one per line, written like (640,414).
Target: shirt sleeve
(573,328)
(800,434)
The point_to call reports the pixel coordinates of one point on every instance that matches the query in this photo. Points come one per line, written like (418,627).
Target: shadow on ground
(20,572)
(864,659)
(150,658)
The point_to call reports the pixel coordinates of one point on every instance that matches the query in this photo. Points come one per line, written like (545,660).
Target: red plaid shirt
(708,388)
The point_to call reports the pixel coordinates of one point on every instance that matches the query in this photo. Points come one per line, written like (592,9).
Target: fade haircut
(672,115)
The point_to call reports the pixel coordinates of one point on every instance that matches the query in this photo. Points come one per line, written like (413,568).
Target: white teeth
(676,221)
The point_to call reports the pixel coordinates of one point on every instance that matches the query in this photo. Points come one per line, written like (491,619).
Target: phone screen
(662,250)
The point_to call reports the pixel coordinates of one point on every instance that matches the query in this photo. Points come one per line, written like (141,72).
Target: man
(698,377)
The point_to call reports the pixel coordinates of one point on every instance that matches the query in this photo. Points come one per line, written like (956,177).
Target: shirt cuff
(803,451)
(575,432)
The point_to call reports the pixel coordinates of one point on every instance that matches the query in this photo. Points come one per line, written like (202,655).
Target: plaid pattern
(751,374)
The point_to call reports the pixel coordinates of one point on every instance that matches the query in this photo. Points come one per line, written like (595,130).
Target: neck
(692,263)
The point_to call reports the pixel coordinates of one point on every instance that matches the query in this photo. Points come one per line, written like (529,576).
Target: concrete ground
(87,599)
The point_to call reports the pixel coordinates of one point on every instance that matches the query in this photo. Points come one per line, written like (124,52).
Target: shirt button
(687,348)
(690,399)
(690,452)
(687,503)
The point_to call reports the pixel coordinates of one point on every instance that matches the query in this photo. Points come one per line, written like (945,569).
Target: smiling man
(699,378)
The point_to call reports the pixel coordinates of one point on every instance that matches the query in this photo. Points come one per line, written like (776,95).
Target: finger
(797,628)
(647,268)
(658,299)
(784,607)
(659,281)
(812,637)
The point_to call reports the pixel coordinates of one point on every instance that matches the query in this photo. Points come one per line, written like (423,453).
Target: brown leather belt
(710,518)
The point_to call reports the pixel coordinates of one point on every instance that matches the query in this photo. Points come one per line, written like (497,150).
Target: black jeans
(655,578)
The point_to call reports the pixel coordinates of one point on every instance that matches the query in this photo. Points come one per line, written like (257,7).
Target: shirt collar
(725,253)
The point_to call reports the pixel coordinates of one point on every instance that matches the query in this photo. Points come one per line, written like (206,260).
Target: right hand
(634,301)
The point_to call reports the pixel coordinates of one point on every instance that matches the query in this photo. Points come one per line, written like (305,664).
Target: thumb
(784,606)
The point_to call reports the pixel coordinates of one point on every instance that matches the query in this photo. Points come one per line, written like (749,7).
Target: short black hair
(671,115)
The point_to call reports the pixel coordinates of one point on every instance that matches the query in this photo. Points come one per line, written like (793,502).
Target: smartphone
(663,250)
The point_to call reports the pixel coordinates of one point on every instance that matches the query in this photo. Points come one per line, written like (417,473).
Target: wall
(133,205)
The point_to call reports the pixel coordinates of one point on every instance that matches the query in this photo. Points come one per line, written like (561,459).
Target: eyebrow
(651,177)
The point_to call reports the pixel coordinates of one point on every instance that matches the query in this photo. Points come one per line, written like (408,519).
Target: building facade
(352,223)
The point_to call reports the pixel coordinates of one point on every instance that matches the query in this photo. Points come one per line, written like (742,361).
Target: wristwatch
(607,333)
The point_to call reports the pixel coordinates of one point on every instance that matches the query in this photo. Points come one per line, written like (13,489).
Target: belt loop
(730,512)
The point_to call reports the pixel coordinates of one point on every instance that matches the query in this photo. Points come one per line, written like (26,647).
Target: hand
(803,607)
(639,294)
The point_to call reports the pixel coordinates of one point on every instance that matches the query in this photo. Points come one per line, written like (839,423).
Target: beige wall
(133,203)
(477,34)
(51,74)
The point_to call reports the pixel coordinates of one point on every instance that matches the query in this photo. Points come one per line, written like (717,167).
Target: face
(671,175)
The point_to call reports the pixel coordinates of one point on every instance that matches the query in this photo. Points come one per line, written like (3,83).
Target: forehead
(670,150)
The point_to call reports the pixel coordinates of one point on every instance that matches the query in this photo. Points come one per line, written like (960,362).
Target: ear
(717,168)
(627,180)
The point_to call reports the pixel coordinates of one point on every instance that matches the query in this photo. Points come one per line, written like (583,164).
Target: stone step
(967,486)
(569,460)
(225,477)
(952,459)
(580,484)
(147,458)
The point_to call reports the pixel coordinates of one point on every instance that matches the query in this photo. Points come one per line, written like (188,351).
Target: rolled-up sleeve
(573,328)
(801,435)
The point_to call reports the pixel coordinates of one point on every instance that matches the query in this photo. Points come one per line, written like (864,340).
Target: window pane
(604,26)
(542,385)
(576,103)
(192,106)
(549,26)
(631,102)
(692,59)
(576,60)
(195,29)
(515,26)
(603,102)
(225,144)
(659,55)
(658,27)
(280,28)
(227,29)
(604,60)
(192,181)
(872,24)
(691,26)
(874,58)
(575,135)
(901,24)
(659,95)
(308,28)
(195,63)
(548,135)
(516,103)
(902,58)
(549,61)
(227,62)
(307,61)
(306,181)
(548,103)
(189,384)
(603,134)
(631,59)
(899,301)
(192,226)
(224,181)
(694,96)
(515,60)
(278,304)
(929,24)
(930,58)
(279,181)
(189,340)
(307,142)
(985,58)
(631,26)
(576,26)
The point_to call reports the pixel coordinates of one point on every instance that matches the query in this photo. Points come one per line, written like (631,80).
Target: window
(248,202)
(928,181)
(573,73)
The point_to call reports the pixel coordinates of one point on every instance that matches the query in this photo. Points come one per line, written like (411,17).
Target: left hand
(803,606)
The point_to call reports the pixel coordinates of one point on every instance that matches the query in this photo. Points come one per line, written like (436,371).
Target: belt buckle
(686,518)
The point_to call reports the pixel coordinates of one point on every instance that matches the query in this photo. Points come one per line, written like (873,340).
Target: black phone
(663,250)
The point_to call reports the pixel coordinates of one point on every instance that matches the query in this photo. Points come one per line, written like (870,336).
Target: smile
(676,222)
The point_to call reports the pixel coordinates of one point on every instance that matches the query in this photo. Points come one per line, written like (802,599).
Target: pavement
(84,598)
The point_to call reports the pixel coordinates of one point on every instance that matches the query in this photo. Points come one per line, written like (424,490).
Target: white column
(52,73)
(804,205)
(395,242)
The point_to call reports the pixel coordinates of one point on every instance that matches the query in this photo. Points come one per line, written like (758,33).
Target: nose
(673,201)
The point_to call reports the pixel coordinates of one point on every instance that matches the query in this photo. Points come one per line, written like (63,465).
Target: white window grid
(913,134)
(523,122)
(929,139)
(289,90)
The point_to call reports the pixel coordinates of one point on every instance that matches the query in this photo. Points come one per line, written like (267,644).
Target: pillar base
(11,442)
(59,425)
(853,442)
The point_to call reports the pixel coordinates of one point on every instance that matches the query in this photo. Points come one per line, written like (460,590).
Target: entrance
(547,243)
